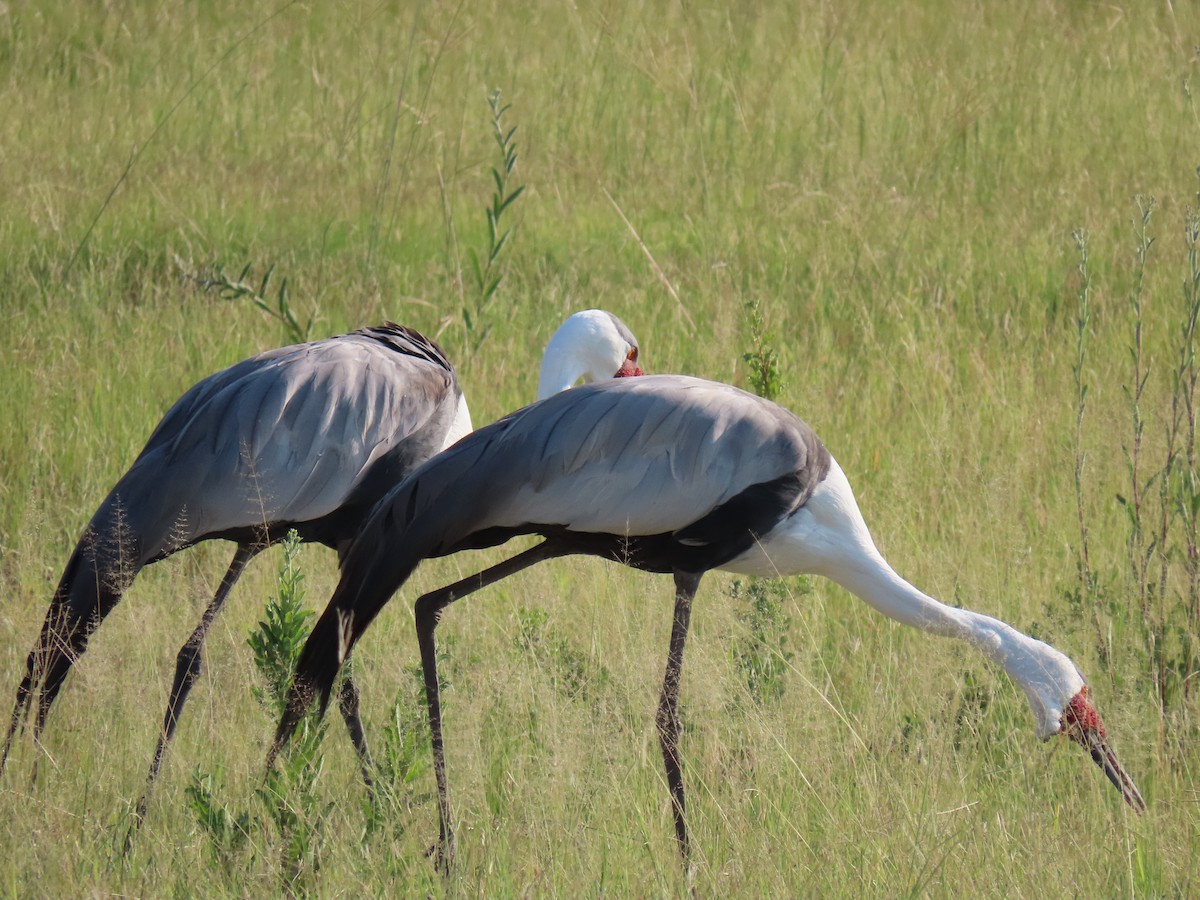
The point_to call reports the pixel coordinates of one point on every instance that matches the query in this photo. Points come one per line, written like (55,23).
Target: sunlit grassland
(897,187)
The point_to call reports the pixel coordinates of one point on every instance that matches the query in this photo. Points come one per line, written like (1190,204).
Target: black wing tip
(316,670)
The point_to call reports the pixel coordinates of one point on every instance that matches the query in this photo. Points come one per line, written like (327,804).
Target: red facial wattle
(629,368)
(1081,723)
(1080,715)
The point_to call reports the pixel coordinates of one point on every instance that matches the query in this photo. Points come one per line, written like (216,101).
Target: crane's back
(292,435)
(630,458)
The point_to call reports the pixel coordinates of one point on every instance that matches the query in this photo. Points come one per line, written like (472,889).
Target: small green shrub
(763,361)
(288,799)
(760,651)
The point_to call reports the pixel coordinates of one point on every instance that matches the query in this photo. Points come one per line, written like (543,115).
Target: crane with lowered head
(667,474)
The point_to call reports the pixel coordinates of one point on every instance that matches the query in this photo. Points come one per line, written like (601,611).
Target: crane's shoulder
(408,342)
(370,386)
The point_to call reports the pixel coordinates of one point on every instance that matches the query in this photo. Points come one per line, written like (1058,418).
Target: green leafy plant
(277,641)
(278,307)
(288,797)
(403,759)
(762,359)
(760,651)
(485,266)
(227,833)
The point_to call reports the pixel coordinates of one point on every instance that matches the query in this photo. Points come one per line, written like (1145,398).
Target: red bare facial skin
(628,369)
(1081,716)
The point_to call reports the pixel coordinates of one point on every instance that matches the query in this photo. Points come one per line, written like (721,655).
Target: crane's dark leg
(14,723)
(25,690)
(188,665)
(669,729)
(428,611)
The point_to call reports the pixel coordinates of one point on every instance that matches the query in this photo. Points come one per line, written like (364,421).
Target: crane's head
(589,346)
(1058,696)
(630,365)
(1081,723)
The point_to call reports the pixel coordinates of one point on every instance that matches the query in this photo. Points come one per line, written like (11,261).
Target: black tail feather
(371,573)
(86,594)
(316,671)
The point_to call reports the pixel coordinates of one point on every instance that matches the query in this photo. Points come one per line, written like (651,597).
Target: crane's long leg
(14,723)
(26,688)
(65,646)
(669,728)
(428,611)
(188,665)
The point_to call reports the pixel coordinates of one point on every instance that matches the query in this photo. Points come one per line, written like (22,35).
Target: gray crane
(667,474)
(308,437)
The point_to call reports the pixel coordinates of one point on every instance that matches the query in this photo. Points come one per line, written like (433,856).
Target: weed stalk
(486,268)
(1139,552)
(233,289)
(1088,595)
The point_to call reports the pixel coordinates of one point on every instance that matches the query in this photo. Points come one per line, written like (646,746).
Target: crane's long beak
(1082,724)
(1097,746)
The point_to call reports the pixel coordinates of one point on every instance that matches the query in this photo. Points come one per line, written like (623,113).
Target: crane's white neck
(1049,679)
(587,347)
(827,536)
(559,374)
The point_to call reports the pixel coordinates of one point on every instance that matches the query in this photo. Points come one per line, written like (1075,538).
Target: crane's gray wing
(287,435)
(639,456)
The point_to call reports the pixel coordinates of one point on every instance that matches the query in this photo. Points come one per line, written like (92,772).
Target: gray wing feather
(284,436)
(634,456)
(622,330)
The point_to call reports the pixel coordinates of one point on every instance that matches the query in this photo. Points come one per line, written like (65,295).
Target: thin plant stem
(1139,554)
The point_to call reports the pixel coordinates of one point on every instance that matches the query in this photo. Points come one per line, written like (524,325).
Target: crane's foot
(137,816)
(442,854)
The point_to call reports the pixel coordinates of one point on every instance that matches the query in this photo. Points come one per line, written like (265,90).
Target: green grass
(896,187)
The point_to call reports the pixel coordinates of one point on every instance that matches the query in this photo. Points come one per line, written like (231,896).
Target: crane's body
(305,437)
(667,474)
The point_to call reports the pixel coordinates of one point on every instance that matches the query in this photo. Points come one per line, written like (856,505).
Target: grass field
(897,187)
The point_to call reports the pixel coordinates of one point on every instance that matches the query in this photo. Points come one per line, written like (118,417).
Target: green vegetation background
(896,186)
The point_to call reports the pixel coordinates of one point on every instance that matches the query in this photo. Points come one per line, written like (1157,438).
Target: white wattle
(461,426)
(828,537)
